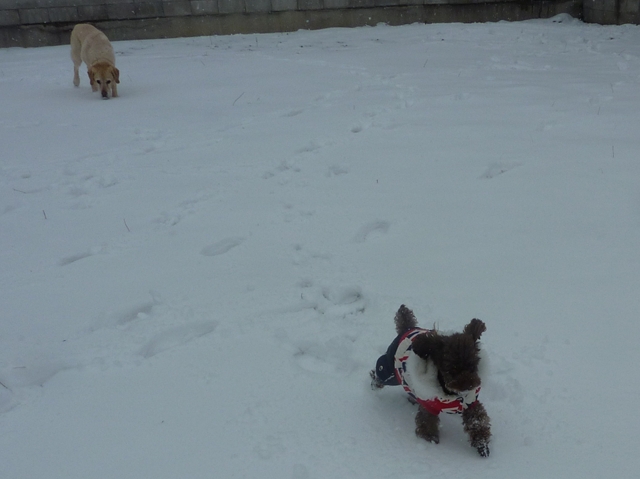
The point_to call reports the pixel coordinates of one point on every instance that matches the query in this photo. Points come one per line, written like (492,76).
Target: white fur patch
(422,377)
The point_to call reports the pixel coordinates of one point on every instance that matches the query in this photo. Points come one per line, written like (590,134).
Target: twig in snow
(4,386)
(19,191)
(234,101)
(126,225)
(45,215)
(425,63)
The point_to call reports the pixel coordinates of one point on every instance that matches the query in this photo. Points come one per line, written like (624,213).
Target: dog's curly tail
(405,320)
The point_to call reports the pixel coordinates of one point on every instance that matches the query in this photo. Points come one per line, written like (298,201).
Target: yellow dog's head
(103,76)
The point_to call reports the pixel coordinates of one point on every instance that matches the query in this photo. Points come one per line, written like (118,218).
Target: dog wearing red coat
(440,374)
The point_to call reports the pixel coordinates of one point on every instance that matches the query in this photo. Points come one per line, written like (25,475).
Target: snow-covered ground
(196,277)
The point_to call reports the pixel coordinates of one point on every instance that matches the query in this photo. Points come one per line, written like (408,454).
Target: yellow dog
(91,46)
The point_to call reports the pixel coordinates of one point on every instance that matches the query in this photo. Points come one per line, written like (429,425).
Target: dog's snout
(105,95)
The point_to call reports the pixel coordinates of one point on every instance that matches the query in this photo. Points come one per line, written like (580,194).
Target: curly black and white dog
(440,374)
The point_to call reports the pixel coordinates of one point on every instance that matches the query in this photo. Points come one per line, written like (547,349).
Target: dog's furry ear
(428,345)
(116,74)
(475,328)
(91,76)
(405,320)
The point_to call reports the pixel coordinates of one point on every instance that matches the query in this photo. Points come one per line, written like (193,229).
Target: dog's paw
(483,449)
(430,436)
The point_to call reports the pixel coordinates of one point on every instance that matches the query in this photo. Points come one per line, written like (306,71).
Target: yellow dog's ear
(91,79)
(116,74)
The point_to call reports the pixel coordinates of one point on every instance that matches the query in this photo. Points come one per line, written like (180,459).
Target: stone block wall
(612,12)
(29,23)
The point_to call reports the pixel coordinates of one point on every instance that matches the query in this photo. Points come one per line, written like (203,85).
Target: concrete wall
(29,23)
(612,12)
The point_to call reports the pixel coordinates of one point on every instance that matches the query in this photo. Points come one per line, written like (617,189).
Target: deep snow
(196,277)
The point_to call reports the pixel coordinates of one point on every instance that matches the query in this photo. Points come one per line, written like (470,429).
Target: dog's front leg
(76,75)
(477,425)
(427,426)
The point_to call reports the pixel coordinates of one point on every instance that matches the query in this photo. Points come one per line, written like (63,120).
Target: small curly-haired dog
(440,374)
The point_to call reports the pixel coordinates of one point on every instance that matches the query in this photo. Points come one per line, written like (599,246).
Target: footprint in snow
(283,167)
(74,257)
(139,311)
(67,260)
(34,372)
(125,316)
(373,228)
(336,170)
(221,247)
(176,336)
(149,140)
(496,169)
(89,184)
(292,113)
(184,209)
(336,302)
(312,146)
(332,357)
